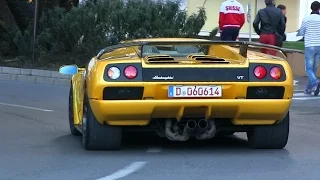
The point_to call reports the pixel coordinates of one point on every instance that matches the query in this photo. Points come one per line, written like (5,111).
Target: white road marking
(295,82)
(154,150)
(26,107)
(302,96)
(133,167)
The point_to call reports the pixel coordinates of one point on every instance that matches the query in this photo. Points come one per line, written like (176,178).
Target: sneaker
(316,92)
(307,91)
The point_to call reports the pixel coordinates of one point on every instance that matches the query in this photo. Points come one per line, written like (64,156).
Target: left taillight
(260,72)
(114,73)
(130,72)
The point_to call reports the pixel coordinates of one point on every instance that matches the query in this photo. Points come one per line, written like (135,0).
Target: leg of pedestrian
(235,33)
(264,39)
(309,68)
(272,41)
(226,34)
(315,69)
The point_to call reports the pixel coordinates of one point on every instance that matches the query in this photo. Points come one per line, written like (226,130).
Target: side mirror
(69,69)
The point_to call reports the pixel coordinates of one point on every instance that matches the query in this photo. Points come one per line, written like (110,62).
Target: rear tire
(96,136)
(270,137)
(74,131)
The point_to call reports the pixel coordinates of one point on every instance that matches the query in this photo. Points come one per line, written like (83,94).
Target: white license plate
(194,91)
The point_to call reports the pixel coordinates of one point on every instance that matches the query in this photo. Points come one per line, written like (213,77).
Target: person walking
(284,12)
(272,26)
(231,20)
(310,31)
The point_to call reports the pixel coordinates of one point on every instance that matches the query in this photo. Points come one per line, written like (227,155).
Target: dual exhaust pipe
(204,130)
(192,125)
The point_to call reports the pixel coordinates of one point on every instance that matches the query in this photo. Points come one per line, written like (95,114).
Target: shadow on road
(226,144)
(140,142)
(149,139)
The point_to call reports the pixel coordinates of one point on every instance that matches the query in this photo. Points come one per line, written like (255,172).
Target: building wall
(213,8)
(305,9)
(293,7)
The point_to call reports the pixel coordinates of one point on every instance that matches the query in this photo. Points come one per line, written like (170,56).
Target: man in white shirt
(310,31)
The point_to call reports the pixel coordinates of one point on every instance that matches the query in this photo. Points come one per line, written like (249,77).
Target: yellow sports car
(181,88)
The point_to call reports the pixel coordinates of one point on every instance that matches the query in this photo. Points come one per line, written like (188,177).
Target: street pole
(35,20)
(249,20)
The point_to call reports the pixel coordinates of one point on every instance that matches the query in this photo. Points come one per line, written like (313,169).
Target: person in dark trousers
(284,12)
(272,24)
(231,20)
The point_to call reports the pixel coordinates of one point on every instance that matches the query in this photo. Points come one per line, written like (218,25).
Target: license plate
(194,91)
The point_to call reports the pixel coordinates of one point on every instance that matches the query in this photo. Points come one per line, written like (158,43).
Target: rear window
(173,50)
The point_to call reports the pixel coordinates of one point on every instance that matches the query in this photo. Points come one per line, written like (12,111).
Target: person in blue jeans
(310,31)
(312,56)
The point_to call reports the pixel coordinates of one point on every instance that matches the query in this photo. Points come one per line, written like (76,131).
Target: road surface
(36,145)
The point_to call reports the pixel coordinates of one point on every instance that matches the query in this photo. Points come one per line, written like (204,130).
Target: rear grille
(123,93)
(207,59)
(265,92)
(161,59)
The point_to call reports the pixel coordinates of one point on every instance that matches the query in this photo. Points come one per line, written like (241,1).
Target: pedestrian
(231,20)
(284,12)
(272,25)
(310,31)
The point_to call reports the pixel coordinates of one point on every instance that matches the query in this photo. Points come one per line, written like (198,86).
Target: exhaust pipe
(203,126)
(175,136)
(206,131)
(191,126)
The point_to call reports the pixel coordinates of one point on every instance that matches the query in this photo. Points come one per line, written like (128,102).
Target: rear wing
(242,45)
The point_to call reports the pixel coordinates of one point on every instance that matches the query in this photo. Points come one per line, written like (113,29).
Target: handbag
(278,37)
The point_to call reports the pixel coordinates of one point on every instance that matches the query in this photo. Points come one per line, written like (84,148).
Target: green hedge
(77,35)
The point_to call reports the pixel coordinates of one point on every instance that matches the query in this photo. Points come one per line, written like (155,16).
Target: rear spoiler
(243,45)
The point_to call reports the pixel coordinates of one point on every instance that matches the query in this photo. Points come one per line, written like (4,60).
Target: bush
(77,35)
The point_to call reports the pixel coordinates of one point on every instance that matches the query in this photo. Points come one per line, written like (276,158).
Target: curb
(292,50)
(34,76)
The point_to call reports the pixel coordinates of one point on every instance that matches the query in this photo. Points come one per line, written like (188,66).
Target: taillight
(114,73)
(260,72)
(275,73)
(130,72)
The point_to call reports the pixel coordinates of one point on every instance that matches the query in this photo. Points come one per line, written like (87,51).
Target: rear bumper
(141,112)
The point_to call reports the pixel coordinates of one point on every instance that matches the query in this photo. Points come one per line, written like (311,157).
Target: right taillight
(275,73)
(260,72)
(130,72)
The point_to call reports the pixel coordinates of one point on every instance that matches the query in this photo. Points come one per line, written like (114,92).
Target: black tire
(270,137)
(96,136)
(73,130)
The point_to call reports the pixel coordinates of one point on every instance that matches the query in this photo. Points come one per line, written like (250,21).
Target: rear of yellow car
(198,95)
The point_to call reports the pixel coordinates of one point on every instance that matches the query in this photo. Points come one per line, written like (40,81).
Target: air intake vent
(161,59)
(207,59)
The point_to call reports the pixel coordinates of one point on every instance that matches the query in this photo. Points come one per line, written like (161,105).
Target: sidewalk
(300,83)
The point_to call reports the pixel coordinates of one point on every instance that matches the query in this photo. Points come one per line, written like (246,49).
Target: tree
(74,35)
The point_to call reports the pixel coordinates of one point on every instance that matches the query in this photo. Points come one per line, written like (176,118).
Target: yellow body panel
(156,104)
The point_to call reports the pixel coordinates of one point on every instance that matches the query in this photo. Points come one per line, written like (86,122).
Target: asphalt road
(35,144)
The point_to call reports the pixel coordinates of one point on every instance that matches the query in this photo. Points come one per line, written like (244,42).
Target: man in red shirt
(231,20)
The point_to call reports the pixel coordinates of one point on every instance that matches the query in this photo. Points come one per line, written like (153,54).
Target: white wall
(304,9)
